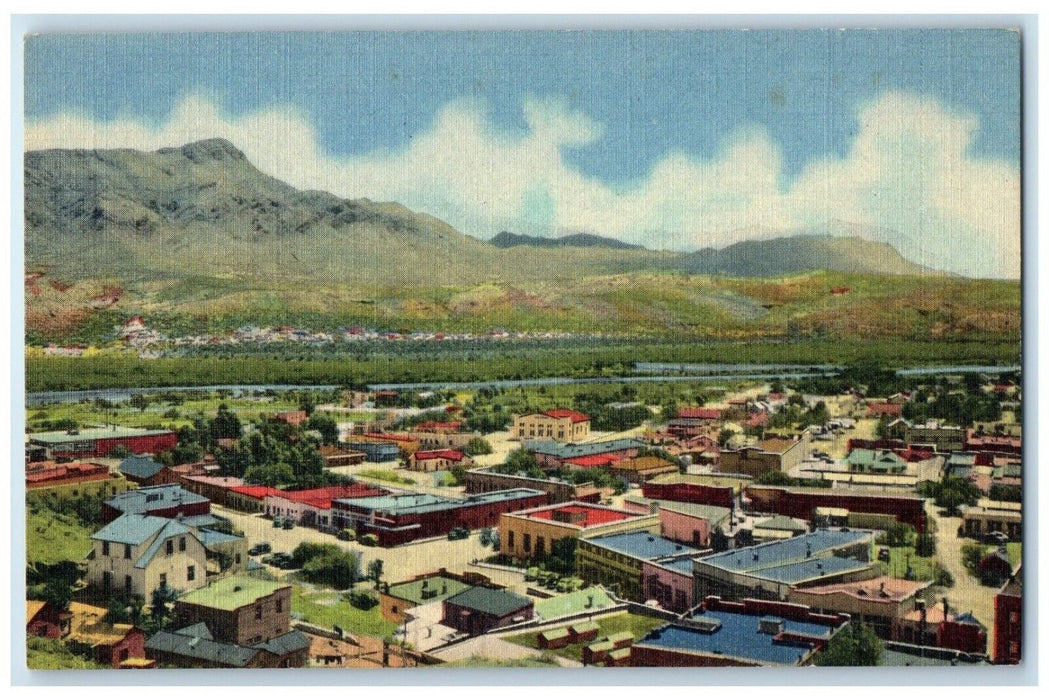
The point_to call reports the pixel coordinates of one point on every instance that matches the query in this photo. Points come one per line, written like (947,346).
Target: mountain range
(199,230)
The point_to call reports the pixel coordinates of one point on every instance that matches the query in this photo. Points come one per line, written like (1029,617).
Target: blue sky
(747,122)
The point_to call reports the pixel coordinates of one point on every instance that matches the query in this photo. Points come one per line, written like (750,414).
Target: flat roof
(571,603)
(799,572)
(593,515)
(490,601)
(715,514)
(444,586)
(154,498)
(566,451)
(426,503)
(788,551)
(736,635)
(96,433)
(232,592)
(642,545)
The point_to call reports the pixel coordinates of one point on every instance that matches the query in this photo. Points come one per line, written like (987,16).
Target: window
(170,546)
(527,542)
(393,609)
(191,573)
(75,493)
(280,605)
(182,544)
(510,539)
(258,612)
(105,549)
(236,558)
(163,580)
(127,551)
(127,584)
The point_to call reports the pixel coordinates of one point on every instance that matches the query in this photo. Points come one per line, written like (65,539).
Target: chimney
(946,609)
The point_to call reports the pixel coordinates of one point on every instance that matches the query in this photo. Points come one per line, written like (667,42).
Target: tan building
(559,424)
(527,534)
(772,454)
(993,516)
(640,469)
(879,601)
(136,554)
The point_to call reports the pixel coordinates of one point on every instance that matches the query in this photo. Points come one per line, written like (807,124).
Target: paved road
(967,594)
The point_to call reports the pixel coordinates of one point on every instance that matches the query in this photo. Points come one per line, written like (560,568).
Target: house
(772,454)
(71,480)
(1008,625)
(292,418)
(616,561)
(90,443)
(239,609)
(336,456)
(42,619)
(992,516)
(994,566)
(561,425)
(116,645)
(436,460)
(424,589)
(136,554)
(147,472)
(877,409)
(196,647)
(746,633)
(166,501)
(771,569)
(530,533)
(376,451)
(214,488)
(875,462)
(878,602)
(939,626)
(478,610)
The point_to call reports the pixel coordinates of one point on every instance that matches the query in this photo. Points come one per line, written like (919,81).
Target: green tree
(225,425)
(120,452)
(375,567)
(856,645)
(140,401)
(478,446)
(326,426)
(521,460)
(270,475)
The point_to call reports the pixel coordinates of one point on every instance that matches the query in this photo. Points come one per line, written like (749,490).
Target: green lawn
(637,625)
(54,537)
(924,567)
(314,607)
(52,654)
(385,475)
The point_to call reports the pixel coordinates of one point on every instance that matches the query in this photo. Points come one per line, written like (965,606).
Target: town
(862,517)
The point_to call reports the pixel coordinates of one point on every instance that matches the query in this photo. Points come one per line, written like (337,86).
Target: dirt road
(967,595)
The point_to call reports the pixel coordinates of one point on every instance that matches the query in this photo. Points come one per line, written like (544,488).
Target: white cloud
(909,176)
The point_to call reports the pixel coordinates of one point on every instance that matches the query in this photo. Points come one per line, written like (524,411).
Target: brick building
(486,479)
(772,454)
(561,425)
(71,480)
(1008,621)
(616,561)
(530,533)
(313,507)
(87,443)
(801,503)
(477,610)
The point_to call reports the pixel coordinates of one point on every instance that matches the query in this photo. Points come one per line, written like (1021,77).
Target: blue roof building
(751,633)
(553,454)
(769,570)
(617,561)
(168,500)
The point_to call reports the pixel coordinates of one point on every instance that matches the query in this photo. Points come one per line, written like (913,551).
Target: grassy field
(55,537)
(51,654)
(925,568)
(610,359)
(637,625)
(385,475)
(326,608)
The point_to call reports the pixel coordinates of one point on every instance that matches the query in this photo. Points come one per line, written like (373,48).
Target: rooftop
(799,572)
(426,503)
(153,498)
(142,467)
(788,551)
(576,416)
(713,514)
(232,592)
(642,545)
(884,588)
(736,635)
(592,598)
(579,515)
(490,601)
(96,433)
(135,528)
(441,587)
(322,497)
(88,626)
(563,451)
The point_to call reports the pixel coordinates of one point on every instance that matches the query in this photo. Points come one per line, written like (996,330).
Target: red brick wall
(690,493)
(1006,632)
(642,656)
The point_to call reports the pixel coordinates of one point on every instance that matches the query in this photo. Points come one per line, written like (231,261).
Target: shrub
(362,599)
(347,535)
(369,540)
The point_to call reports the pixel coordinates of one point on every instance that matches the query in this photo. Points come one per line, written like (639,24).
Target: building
(747,633)
(250,499)
(42,619)
(939,626)
(137,554)
(238,609)
(551,454)
(214,488)
(292,418)
(336,456)
(478,610)
(616,561)
(640,469)
(945,438)
(779,527)
(144,471)
(375,451)
(689,523)
(558,424)
(1005,445)
(877,409)
(875,462)
(1008,621)
(801,503)
(992,516)
(425,589)
(771,569)
(312,507)
(88,443)
(531,533)
(703,489)
(669,583)
(878,602)
(487,479)
(167,501)
(196,647)
(437,460)
(400,518)
(71,480)
(772,454)
(115,645)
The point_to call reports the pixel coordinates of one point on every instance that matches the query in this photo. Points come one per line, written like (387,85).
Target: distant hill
(788,255)
(505,239)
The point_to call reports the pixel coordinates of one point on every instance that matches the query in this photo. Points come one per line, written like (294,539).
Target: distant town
(851,519)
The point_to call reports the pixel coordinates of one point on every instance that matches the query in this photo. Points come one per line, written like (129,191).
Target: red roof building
(593,461)
(883,408)
(699,413)
(312,507)
(250,499)
(574,416)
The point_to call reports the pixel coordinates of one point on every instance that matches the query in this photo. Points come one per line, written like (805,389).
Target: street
(967,595)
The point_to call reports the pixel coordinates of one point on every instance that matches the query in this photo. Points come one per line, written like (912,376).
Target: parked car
(278,521)
(281,560)
(996,538)
(458,533)
(260,548)
(288,524)
(884,554)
